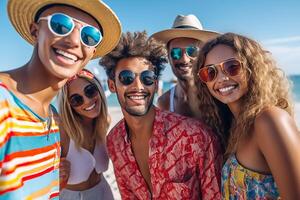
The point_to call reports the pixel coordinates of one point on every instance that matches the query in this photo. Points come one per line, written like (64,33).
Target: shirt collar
(158,125)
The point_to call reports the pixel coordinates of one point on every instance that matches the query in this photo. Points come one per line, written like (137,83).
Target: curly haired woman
(84,124)
(246,97)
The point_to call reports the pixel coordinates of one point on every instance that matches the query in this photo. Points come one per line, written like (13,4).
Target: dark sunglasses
(230,67)
(147,77)
(62,25)
(177,53)
(90,91)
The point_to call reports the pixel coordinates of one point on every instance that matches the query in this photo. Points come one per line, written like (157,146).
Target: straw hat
(22,13)
(187,26)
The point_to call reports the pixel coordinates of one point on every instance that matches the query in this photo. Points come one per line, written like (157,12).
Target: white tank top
(172,95)
(83,162)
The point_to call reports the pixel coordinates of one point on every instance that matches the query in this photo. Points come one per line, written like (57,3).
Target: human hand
(64,172)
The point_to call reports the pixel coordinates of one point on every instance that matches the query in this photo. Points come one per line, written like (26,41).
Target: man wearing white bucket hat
(183,42)
(66,34)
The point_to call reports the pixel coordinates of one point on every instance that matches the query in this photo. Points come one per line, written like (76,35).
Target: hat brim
(22,13)
(166,35)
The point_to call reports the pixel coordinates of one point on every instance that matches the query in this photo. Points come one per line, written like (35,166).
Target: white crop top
(83,162)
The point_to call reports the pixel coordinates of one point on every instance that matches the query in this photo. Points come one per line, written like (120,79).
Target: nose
(185,58)
(73,39)
(137,83)
(221,76)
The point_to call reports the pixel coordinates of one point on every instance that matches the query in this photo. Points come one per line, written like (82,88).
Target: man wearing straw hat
(183,42)
(65,34)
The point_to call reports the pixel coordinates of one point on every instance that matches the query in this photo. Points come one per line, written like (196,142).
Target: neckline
(248,169)
(24,106)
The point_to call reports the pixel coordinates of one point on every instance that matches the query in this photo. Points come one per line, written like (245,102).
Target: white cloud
(286,51)
(277,41)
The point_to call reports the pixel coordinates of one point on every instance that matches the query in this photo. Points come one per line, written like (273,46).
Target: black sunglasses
(147,77)
(90,91)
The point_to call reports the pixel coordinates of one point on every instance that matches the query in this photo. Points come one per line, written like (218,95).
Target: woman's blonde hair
(267,86)
(71,120)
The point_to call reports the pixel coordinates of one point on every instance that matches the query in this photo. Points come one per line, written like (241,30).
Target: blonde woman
(244,94)
(84,123)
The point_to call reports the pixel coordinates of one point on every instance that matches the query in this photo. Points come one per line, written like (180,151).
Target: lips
(90,107)
(227,89)
(66,55)
(138,98)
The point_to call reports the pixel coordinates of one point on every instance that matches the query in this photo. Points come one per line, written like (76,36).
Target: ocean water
(295,79)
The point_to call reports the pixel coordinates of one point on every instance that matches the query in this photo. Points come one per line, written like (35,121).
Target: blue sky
(274,23)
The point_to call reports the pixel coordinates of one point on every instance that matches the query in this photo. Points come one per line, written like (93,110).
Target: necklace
(49,121)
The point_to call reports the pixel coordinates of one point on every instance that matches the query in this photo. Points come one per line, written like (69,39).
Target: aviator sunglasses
(230,67)
(147,77)
(177,53)
(62,25)
(90,91)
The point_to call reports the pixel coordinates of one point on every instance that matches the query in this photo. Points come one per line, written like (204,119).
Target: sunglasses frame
(81,97)
(49,17)
(184,50)
(221,66)
(138,74)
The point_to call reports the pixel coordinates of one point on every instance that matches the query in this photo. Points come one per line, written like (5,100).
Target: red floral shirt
(184,160)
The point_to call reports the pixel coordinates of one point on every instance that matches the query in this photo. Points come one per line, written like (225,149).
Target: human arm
(163,101)
(279,141)
(64,165)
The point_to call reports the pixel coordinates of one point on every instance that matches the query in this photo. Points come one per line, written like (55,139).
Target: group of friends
(224,131)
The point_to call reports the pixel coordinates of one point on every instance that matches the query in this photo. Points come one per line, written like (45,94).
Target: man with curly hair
(183,42)
(156,154)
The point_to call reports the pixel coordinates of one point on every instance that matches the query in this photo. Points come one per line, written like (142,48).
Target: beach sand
(116,116)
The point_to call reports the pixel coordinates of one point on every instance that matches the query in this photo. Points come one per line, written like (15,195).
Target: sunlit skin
(182,68)
(136,98)
(138,114)
(272,146)
(39,80)
(56,63)
(91,107)
(225,88)
(185,88)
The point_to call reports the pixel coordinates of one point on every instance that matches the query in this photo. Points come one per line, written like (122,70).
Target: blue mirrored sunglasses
(147,77)
(62,25)
(177,53)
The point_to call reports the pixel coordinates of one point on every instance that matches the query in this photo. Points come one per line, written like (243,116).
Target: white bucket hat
(187,26)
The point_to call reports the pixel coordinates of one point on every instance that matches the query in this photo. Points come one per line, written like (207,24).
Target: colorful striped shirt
(29,152)
(184,160)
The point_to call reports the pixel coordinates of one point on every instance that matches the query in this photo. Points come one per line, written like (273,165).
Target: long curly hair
(71,120)
(136,44)
(267,86)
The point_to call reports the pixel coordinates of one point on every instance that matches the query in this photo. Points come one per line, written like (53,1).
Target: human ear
(111,85)
(34,31)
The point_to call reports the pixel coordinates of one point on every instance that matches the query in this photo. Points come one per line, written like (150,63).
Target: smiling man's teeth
(90,108)
(226,89)
(66,55)
(136,97)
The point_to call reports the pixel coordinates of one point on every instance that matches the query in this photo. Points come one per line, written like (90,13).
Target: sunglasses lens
(126,77)
(90,36)
(148,77)
(61,24)
(232,67)
(76,100)
(176,53)
(192,51)
(207,74)
(90,91)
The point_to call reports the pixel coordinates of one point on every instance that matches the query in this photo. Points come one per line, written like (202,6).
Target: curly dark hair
(267,86)
(136,44)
